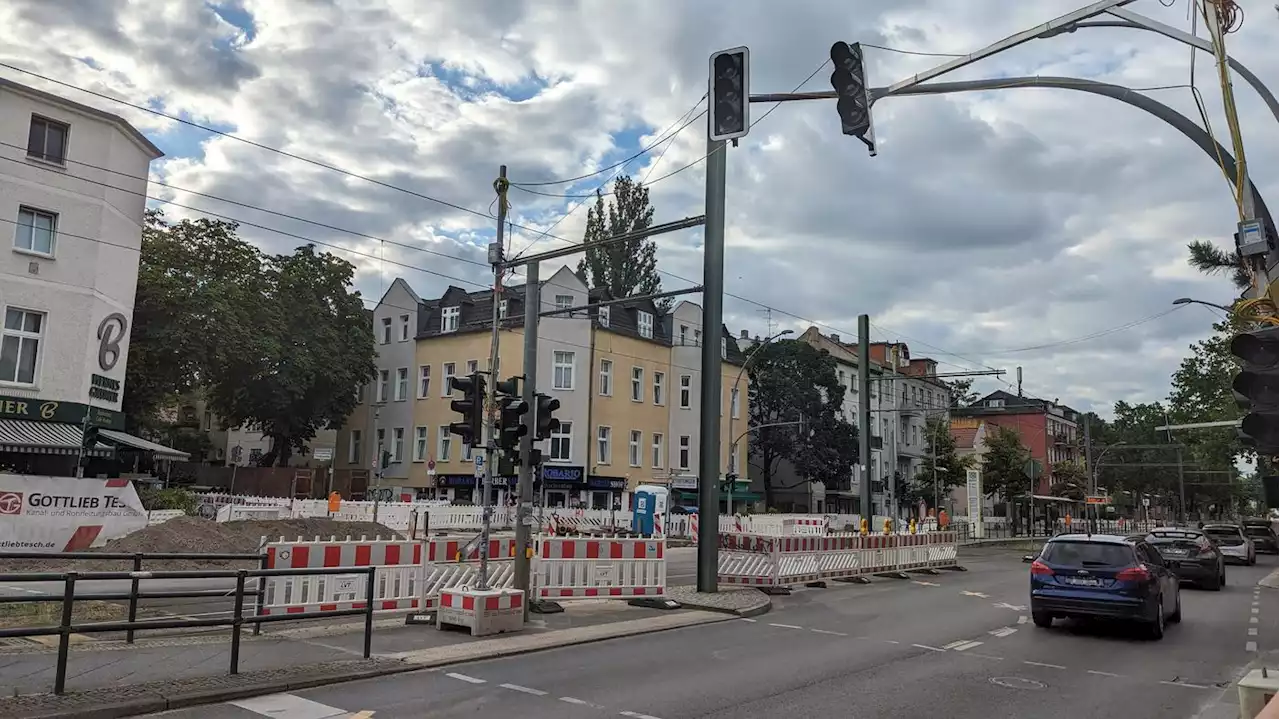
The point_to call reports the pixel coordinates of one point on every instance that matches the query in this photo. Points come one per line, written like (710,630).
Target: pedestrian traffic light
(544,422)
(471,407)
(1256,386)
(511,411)
(853,103)
(728,99)
(386,459)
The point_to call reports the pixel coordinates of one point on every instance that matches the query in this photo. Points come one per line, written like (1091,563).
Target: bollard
(888,527)
(912,526)
(237,621)
(368,613)
(261,596)
(133,598)
(863,529)
(64,633)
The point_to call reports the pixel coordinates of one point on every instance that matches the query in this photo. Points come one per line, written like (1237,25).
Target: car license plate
(1083,581)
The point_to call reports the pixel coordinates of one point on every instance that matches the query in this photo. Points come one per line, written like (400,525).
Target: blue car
(1104,577)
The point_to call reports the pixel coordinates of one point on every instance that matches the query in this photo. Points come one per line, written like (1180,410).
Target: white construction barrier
(780,562)
(397,579)
(574,567)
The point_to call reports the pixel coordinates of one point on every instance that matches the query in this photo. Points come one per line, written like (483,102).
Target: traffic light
(90,440)
(730,480)
(471,407)
(511,411)
(728,94)
(386,459)
(1256,387)
(853,103)
(544,422)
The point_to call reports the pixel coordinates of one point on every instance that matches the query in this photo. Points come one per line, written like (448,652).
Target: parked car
(1191,555)
(1104,576)
(1262,534)
(1234,544)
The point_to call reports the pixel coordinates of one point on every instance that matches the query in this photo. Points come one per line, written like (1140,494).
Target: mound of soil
(189,535)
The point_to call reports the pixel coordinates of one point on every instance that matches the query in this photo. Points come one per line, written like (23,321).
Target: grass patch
(49,614)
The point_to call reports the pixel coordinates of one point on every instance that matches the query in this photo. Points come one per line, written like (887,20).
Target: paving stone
(743,601)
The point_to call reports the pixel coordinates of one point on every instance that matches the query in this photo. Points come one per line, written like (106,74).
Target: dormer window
(644,321)
(604,316)
(449,317)
(995,403)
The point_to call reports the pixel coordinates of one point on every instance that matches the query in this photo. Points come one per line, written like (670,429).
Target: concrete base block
(483,611)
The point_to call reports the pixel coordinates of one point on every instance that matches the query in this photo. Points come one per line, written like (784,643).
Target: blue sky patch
(233,13)
(471,87)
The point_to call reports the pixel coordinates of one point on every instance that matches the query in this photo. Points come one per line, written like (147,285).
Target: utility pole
(524,487)
(1088,468)
(864,415)
(500,186)
(712,321)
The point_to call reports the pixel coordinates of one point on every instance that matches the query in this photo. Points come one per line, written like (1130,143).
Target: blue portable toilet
(650,501)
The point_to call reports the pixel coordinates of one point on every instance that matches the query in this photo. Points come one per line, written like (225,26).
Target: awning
(30,437)
(159,450)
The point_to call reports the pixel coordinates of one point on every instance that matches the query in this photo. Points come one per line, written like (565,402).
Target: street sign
(479,465)
(1098,499)
(1146,501)
(322,454)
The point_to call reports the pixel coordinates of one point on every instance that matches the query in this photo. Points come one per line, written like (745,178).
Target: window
(404,328)
(604,440)
(637,384)
(502,310)
(633,448)
(466,452)
(697,338)
(562,443)
(446,385)
(562,370)
(606,378)
(47,140)
(684,452)
(386,330)
(402,384)
(353,449)
(424,380)
(733,461)
(724,347)
(449,318)
(840,377)
(384,376)
(397,444)
(35,231)
(20,345)
(603,316)
(381,436)
(472,366)
(360,394)
(686,391)
(644,321)
(657,450)
(564,302)
(442,449)
(419,444)
(659,387)
(684,331)
(995,403)
(733,402)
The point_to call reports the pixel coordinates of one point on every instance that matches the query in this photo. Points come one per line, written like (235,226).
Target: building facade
(1048,430)
(72,201)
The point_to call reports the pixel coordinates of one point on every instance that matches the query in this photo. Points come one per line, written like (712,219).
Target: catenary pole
(712,324)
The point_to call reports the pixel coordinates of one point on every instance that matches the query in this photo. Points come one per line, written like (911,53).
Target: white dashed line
(1101,674)
(975,594)
(637,715)
(785,626)
(744,619)
(1253,610)
(1002,632)
(926,584)
(575,700)
(955,644)
(983,656)
(824,631)
(1042,664)
(1023,619)
(523,690)
(1251,646)
(926,646)
(1253,631)
(890,641)
(1185,684)
(967,646)
(1253,620)
(465,678)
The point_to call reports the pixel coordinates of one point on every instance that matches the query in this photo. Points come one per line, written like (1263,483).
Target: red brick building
(1050,431)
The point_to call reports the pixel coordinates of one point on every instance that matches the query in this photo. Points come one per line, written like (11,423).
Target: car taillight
(1134,574)
(1040,568)
(1206,551)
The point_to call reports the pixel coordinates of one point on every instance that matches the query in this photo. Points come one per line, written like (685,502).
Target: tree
(1069,480)
(792,381)
(961,390)
(623,268)
(1213,260)
(951,467)
(318,354)
(1003,465)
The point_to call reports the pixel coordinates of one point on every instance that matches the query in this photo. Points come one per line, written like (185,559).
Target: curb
(1272,580)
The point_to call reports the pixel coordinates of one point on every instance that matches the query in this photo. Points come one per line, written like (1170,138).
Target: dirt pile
(194,535)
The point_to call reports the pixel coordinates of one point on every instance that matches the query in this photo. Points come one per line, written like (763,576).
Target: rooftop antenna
(769,324)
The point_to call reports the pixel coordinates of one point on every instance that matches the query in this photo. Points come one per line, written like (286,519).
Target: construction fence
(773,562)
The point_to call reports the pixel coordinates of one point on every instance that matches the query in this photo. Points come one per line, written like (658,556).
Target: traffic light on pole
(543,421)
(511,411)
(470,407)
(1256,388)
(728,96)
(853,103)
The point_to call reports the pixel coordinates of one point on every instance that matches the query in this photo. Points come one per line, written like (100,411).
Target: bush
(168,499)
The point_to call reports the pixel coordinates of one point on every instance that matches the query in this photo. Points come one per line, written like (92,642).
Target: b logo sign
(111,330)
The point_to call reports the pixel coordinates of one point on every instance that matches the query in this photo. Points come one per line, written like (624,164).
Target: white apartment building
(68,274)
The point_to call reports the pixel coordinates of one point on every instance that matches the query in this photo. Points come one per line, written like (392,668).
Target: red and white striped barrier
(570,567)
(777,562)
(396,583)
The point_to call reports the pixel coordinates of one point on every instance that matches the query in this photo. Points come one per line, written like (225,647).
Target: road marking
(824,631)
(785,626)
(288,706)
(1251,646)
(1005,605)
(523,690)
(744,619)
(1253,631)
(891,641)
(1253,610)
(967,593)
(966,646)
(984,656)
(575,700)
(1102,674)
(1002,632)
(366,714)
(465,678)
(955,644)
(637,715)
(926,584)
(926,646)
(1047,666)
(1023,619)
(1185,684)
(1253,620)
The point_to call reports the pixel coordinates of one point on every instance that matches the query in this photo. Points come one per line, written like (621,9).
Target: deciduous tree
(1003,465)
(623,268)
(951,467)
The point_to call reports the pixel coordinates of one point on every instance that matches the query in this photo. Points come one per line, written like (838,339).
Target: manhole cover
(1017,683)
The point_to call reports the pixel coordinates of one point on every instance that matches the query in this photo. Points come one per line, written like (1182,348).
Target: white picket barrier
(160,516)
(238,512)
(616,567)
(777,562)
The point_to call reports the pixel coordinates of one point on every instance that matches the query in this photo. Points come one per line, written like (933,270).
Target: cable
(910,52)
(1091,336)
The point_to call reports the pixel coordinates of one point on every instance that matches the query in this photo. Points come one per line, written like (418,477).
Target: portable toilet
(650,502)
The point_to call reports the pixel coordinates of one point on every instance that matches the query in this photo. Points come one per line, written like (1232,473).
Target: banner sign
(973,487)
(65,514)
(42,410)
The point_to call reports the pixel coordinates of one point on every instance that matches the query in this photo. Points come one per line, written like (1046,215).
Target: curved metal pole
(1132,20)
(1116,92)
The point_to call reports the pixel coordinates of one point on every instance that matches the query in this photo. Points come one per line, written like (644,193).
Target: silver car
(1234,544)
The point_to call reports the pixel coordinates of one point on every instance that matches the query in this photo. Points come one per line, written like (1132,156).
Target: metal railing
(66,626)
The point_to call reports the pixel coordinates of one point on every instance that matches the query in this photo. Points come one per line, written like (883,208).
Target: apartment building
(913,395)
(611,368)
(1049,431)
(68,275)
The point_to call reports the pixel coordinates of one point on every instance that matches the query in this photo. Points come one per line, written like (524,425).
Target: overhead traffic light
(543,421)
(471,407)
(728,102)
(1256,386)
(511,411)
(853,103)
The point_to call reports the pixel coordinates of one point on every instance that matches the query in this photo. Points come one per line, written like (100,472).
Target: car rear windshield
(1222,532)
(1091,554)
(1165,541)
(1257,530)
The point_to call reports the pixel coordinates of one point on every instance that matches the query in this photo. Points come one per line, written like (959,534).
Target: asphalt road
(955,644)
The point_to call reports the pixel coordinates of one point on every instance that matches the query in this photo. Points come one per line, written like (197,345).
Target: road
(960,644)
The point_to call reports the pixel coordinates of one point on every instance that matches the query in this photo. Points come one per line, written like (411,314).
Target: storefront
(465,489)
(605,492)
(563,485)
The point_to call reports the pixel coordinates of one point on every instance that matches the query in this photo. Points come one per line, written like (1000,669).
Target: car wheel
(1214,584)
(1222,580)
(1253,559)
(1044,620)
(1177,609)
(1156,628)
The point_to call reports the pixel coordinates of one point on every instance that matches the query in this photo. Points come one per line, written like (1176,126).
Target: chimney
(742,335)
(835,337)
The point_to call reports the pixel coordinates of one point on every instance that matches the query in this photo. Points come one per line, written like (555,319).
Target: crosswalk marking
(1022,619)
(967,593)
(966,646)
(288,706)
(1002,632)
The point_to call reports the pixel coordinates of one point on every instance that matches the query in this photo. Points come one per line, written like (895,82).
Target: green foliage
(1003,463)
(155,499)
(1213,260)
(623,268)
(1069,480)
(790,381)
(952,468)
(962,394)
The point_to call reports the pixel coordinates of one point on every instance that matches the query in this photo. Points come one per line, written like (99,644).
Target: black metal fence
(66,626)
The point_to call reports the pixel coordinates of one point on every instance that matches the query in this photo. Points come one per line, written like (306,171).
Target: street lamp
(1189,301)
(733,446)
(1093,478)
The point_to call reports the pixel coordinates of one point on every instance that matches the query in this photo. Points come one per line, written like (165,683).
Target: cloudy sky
(988,222)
